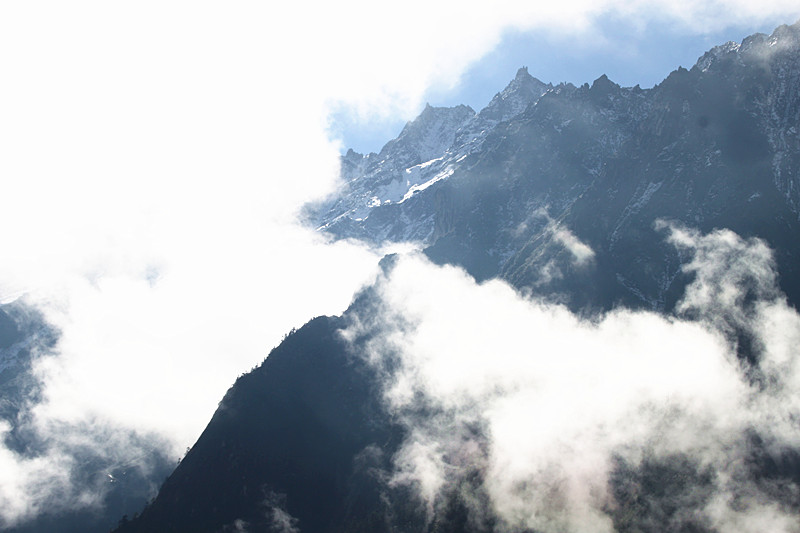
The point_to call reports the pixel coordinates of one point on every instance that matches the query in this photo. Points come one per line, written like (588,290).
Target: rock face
(561,191)
(715,146)
(378,187)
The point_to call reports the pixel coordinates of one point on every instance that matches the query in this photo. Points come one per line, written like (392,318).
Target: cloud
(569,421)
(154,157)
(141,364)
(562,249)
(68,466)
(731,275)
(581,252)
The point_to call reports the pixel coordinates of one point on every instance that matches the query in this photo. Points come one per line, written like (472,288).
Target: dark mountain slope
(293,440)
(704,159)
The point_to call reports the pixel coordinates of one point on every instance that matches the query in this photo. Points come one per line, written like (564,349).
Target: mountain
(298,444)
(378,186)
(292,426)
(715,146)
(564,193)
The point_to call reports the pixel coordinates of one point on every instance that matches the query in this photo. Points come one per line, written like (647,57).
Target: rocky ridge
(713,146)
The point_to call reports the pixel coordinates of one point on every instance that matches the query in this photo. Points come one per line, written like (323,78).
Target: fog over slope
(546,421)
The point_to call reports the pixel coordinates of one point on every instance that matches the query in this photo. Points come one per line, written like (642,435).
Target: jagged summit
(603,82)
(753,49)
(604,86)
(429,135)
(431,115)
(425,152)
(522,91)
(787,32)
(352,154)
(733,116)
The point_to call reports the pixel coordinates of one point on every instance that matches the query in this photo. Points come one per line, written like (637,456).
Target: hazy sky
(153,155)
(629,52)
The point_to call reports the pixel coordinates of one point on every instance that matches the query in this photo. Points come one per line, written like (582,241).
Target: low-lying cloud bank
(142,360)
(536,418)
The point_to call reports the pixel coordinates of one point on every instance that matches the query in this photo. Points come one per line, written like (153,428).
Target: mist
(535,418)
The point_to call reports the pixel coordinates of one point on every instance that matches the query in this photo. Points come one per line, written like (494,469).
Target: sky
(154,156)
(628,52)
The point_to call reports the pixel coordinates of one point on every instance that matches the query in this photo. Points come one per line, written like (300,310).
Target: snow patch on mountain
(429,149)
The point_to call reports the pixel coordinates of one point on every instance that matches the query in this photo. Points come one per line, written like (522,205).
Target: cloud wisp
(572,424)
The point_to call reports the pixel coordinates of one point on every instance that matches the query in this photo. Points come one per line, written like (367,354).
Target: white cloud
(582,253)
(579,255)
(546,404)
(153,157)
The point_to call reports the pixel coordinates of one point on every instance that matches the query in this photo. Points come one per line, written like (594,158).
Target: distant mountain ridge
(405,165)
(711,147)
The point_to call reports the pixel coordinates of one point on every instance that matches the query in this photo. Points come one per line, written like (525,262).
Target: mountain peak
(522,91)
(757,47)
(716,54)
(456,113)
(787,31)
(428,135)
(603,84)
